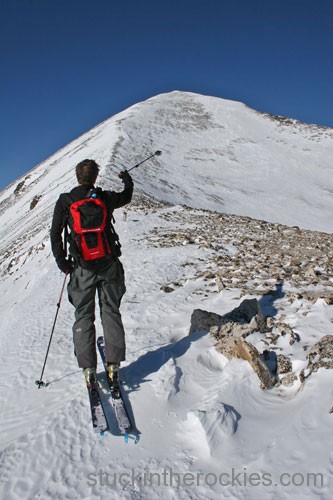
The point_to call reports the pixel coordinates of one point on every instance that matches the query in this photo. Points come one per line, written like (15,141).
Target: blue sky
(66,65)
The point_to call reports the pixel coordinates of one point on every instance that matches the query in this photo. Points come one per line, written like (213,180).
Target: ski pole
(40,381)
(157,153)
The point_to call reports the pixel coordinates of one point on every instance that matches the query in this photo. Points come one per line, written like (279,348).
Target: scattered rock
(208,275)
(221,285)
(35,201)
(270,322)
(167,289)
(284,364)
(305,373)
(321,354)
(285,329)
(289,379)
(19,187)
(261,252)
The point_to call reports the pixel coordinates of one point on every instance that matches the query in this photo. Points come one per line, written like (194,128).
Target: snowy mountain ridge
(217,154)
(194,237)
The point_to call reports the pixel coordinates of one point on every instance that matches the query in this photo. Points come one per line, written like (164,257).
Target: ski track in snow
(196,414)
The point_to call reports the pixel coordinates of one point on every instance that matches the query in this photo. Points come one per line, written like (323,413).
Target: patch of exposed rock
(321,354)
(252,255)
(230,332)
(35,201)
(283,364)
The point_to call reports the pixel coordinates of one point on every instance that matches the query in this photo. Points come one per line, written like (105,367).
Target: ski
(98,418)
(116,398)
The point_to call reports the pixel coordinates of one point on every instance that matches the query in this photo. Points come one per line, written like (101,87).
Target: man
(89,273)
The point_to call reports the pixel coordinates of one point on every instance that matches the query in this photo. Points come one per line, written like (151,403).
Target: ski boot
(90,376)
(113,375)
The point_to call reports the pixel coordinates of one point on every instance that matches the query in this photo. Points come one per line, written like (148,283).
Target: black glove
(66,266)
(126,178)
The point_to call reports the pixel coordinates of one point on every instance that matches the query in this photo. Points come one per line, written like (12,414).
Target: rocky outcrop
(239,348)
(321,354)
(230,332)
(241,321)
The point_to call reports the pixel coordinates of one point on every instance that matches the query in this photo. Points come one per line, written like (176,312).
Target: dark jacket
(112,200)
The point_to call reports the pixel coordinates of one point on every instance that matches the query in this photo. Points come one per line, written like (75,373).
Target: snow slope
(205,429)
(223,156)
(217,154)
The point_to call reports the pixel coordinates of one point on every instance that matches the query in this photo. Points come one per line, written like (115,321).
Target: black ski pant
(109,283)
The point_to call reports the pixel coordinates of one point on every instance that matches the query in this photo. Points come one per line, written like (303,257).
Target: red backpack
(92,234)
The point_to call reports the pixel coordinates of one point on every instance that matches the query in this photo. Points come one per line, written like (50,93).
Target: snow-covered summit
(223,156)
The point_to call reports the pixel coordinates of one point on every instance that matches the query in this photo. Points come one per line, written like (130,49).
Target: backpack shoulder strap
(103,195)
(66,200)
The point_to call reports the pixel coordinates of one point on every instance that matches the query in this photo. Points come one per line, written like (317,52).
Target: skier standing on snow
(93,265)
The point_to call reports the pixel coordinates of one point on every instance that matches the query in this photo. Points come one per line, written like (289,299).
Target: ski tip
(101,433)
(126,437)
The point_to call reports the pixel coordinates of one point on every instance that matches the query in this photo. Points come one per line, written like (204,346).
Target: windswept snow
(204,427)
